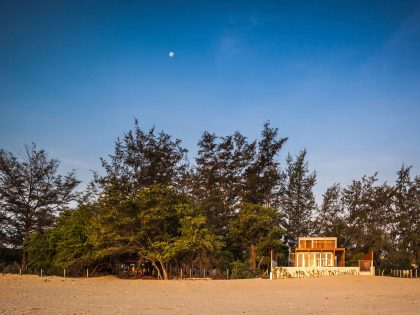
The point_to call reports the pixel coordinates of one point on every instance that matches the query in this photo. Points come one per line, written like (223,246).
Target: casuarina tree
(32,194)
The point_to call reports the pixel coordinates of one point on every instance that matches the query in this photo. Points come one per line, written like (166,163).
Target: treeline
(229,208)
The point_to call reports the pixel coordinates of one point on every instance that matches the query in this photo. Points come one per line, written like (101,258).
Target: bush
(240,270)
(10,268)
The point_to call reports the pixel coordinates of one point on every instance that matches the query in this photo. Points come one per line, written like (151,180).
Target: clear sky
(340,78)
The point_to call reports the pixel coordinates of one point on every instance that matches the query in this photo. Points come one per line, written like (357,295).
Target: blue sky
(340,78)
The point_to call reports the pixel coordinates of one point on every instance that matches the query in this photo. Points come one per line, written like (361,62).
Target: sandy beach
(110,295)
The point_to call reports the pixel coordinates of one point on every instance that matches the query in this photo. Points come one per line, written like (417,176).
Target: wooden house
(314,252)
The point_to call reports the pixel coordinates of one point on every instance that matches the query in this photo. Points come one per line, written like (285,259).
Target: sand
(109,295)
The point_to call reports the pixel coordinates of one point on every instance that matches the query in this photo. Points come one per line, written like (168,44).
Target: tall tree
(330,219)
(218,177)
(407,213)
(263,177)
(143,159)
(298,200)
(31,194)
(258,229)
(369,215)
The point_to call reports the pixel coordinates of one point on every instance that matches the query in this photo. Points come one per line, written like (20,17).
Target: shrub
(240,270)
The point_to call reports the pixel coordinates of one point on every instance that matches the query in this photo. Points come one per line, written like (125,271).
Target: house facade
(312,252)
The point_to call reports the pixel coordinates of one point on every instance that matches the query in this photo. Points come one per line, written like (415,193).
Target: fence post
(227,273)
(87,272)
(64,273)
(41,272)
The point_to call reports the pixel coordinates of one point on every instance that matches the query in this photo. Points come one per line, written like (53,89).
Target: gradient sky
(340,78)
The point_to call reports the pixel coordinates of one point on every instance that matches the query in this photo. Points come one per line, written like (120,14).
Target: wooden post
(87,273)
(64,273)
(20,271)
(204,272)
(227,273)
(41,272)
(181,273)
(190,273)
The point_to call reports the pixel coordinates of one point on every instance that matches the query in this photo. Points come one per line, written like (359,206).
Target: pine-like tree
(330,219)
(142,159)
(407,213)
(218,177)
(298,200)
(31,194)
(263,177)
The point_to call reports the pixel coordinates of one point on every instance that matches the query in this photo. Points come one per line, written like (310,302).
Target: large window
(314,260)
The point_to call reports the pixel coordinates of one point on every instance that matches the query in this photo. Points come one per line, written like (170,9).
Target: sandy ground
(108,295)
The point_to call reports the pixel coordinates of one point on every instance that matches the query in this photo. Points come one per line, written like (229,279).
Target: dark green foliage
(31,194)
(263,176)
(406,201)
(241,270)
(369,210)
(67,245)
(218,178)
(142,159)
(370,217)
(228,211)
(258,229)
(298,200)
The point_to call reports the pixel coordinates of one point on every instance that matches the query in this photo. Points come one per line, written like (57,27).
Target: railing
(404,273)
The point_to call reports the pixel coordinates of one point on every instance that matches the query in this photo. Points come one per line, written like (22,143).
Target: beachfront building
(312,252)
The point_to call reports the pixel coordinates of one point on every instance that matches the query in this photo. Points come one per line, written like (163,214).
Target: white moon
(171,54)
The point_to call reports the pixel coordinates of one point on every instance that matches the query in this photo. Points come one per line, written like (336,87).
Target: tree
(142,159)
(330,219)
(298,200)
(31,194)
(156,223)
(263,177)
(196,242)
(406,202)
(369,216)
(258,227)
(218,177)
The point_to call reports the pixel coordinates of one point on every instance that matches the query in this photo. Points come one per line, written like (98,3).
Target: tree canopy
(32,194)
(233,205)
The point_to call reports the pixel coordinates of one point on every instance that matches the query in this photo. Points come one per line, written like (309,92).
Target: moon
(171,54)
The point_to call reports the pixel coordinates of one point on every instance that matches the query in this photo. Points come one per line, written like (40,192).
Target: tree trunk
(24,261)
(253,257)
(164,271)
(157,268)
(260,262)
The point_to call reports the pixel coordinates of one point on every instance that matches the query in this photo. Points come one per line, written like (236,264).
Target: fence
(173,273)
(404,273)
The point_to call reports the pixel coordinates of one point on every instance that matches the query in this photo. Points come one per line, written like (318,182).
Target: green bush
(9,268)
(240,270)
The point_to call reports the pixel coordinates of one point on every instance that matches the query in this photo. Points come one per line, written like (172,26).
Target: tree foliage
(298,200)
(31,194)
(229,209)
